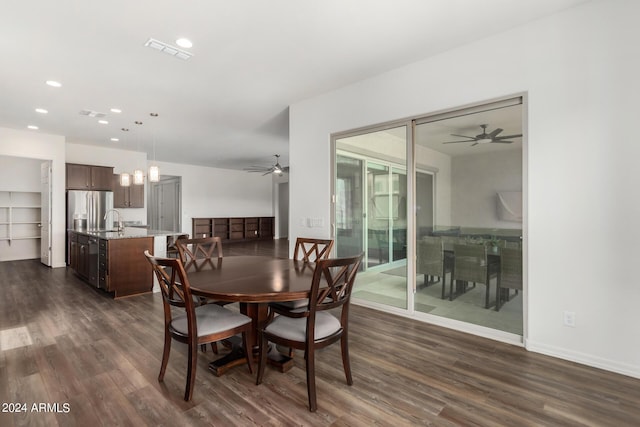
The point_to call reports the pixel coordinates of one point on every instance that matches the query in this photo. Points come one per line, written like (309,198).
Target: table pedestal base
(237,357)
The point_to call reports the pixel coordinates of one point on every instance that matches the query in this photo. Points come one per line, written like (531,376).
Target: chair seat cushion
(296,328)
(211,319)
(291,305)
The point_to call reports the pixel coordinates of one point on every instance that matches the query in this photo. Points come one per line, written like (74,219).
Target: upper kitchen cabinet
(87,177)
(127,197)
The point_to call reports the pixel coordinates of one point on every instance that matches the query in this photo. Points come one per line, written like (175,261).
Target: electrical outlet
(569,318)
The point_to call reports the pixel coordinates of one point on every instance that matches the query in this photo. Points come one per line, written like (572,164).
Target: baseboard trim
(584,359)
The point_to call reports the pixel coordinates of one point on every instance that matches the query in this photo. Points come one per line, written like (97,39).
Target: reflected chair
(433,261)
(471,264)
(510,276)
(196,325)
(198,253)
(313,327)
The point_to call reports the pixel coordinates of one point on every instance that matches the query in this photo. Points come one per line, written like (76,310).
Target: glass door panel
(371,211)
(379,207)
(349,207)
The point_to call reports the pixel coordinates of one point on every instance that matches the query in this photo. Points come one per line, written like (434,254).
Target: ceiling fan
(484,137)
(276,168)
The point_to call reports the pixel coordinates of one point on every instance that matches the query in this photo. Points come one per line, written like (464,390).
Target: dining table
(253,281)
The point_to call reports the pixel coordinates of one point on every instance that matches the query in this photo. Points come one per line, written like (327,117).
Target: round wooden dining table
(253,282)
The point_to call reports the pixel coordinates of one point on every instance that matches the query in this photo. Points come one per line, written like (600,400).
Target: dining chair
(471,264)
(313,327)
(310,250)
(307,249)
(198,252)
(172,249)
(433,261)
(196,325)
(510,276)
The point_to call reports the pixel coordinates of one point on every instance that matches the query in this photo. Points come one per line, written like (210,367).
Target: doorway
(165,210)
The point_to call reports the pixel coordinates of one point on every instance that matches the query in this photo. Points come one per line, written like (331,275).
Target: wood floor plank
(102,357)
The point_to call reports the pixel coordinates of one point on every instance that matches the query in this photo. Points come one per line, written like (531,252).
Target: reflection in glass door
(371,212)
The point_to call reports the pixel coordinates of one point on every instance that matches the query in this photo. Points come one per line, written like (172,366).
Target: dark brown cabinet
(115,265)
(88,177)
(234,229)
(127,197)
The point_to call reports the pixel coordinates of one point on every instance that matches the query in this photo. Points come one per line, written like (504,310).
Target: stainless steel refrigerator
(86,210)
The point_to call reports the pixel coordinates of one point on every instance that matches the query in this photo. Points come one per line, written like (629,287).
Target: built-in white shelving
(20,216)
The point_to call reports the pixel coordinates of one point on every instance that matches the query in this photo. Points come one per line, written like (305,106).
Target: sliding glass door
(416,216)
(371,211)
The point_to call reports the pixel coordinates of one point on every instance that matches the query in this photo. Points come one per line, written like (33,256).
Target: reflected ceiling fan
(484,137)
(276,168)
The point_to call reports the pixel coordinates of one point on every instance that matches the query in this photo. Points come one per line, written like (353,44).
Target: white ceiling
(227,106)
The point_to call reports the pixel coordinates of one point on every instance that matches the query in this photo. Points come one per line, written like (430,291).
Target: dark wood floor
(63,342)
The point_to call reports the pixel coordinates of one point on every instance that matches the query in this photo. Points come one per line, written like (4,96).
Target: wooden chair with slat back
(198,253)
(310,250)
(196,325)
(510,276)
(313,327)
(307,249)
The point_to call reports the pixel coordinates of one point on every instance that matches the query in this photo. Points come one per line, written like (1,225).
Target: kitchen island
(114,260)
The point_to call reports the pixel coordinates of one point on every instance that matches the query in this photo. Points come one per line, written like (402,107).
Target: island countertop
(128,233)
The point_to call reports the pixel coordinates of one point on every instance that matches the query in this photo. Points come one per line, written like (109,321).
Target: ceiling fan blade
(474,144)
(495,133)
(464,136)
(501,141)
(508,136)
(456,142)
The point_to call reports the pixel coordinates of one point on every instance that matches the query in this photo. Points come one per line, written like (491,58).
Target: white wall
(476,180)
(580,71)
(36,145)
(209,192)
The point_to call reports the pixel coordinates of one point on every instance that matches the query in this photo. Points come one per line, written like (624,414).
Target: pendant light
(138,175)
(154,171)
(125,179)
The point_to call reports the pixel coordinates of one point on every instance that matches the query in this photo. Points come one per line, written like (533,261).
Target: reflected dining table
(253,282)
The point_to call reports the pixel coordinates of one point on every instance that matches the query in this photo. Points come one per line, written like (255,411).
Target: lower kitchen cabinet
(114,265)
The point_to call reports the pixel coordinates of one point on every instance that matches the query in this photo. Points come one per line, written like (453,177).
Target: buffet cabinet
(234,229)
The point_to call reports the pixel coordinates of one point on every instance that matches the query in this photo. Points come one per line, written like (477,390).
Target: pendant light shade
(154,174)
(138,177)
(125,179)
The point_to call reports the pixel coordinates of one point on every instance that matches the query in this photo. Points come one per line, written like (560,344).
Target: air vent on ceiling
(92,113)
(168,49)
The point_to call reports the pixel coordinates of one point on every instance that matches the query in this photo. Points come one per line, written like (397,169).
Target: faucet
(120,225)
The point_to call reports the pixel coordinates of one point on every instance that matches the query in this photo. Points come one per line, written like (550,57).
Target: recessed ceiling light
(186,43)
(53,83)
(32,127)
(116,110)
(41,111)
(115,139)
(103,122)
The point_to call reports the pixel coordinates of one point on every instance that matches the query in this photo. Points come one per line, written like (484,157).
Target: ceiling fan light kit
(275,169)
(485,138)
